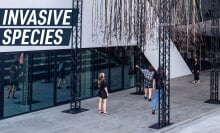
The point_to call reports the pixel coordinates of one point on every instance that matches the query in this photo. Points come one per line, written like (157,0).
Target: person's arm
(137,66)
(154,84)
(198,69)
(193,70)
(142,70)
(106,91)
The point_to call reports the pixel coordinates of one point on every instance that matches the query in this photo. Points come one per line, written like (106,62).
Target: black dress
(102,93)
(13,79)
(196,71)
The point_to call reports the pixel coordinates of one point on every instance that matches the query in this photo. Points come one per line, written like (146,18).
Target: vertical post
(94,70)
(1,85)
(140,45)
(123,67)
(76,56)
(55,78)
(30,78)
(164,61)
(109,68)
(214,51)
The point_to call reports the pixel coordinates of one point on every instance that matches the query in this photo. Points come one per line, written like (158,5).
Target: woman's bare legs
(104,106)
(150,94)
(100,105)
(145,93)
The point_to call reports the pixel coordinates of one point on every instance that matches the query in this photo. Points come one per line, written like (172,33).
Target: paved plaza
(128,113)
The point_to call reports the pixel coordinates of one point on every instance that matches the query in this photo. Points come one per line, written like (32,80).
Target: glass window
(16,81)
(37,80)
(129,70)
(42,90)
(116,68)
(88,64)
(63,73)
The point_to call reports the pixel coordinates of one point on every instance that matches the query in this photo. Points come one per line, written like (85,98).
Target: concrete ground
(128,113)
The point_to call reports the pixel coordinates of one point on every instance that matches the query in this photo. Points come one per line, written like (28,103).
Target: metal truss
(75,103)
(164,61)
(140,46)
(214,51)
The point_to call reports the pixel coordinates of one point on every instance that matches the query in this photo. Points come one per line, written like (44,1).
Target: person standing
(160,79)
(16,63)
(61,75)
(103,94)
(13,81)
(148,81)
(196,71)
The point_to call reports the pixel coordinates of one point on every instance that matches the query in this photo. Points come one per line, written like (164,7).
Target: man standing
(195,71)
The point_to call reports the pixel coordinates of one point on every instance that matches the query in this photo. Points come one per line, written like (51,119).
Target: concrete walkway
(128,113)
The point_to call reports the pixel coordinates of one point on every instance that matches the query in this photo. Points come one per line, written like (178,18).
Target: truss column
(76,56)
(164,61)
(214,51)
(140,46)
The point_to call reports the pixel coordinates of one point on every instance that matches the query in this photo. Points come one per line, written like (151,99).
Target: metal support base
(212,101)
(75,111)
(157,126)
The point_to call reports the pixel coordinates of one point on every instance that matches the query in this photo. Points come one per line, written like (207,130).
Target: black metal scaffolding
(214,52)
(140,46)
(75,103)
(164,61)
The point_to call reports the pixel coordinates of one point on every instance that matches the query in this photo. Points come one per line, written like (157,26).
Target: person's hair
(13,68)
(160,70)
(101,77)
(150,68)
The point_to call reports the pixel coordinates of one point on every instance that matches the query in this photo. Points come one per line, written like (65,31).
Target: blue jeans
(156,98)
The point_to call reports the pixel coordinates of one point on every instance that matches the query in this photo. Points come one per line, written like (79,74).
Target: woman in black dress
(103,94)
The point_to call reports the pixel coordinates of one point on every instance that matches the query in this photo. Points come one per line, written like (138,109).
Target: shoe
(145,97)
(194,82)
(149,99)
(198,81)
(14,97)
(153,112)
(100,111)
(59,88)
(105,114)
(8,97)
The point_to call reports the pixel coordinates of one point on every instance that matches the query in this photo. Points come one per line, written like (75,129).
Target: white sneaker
(198,81)
(194,82)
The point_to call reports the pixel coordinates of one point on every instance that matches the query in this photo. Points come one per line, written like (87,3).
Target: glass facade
(43,78)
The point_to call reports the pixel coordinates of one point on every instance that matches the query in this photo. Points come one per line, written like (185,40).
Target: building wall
(178,66)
